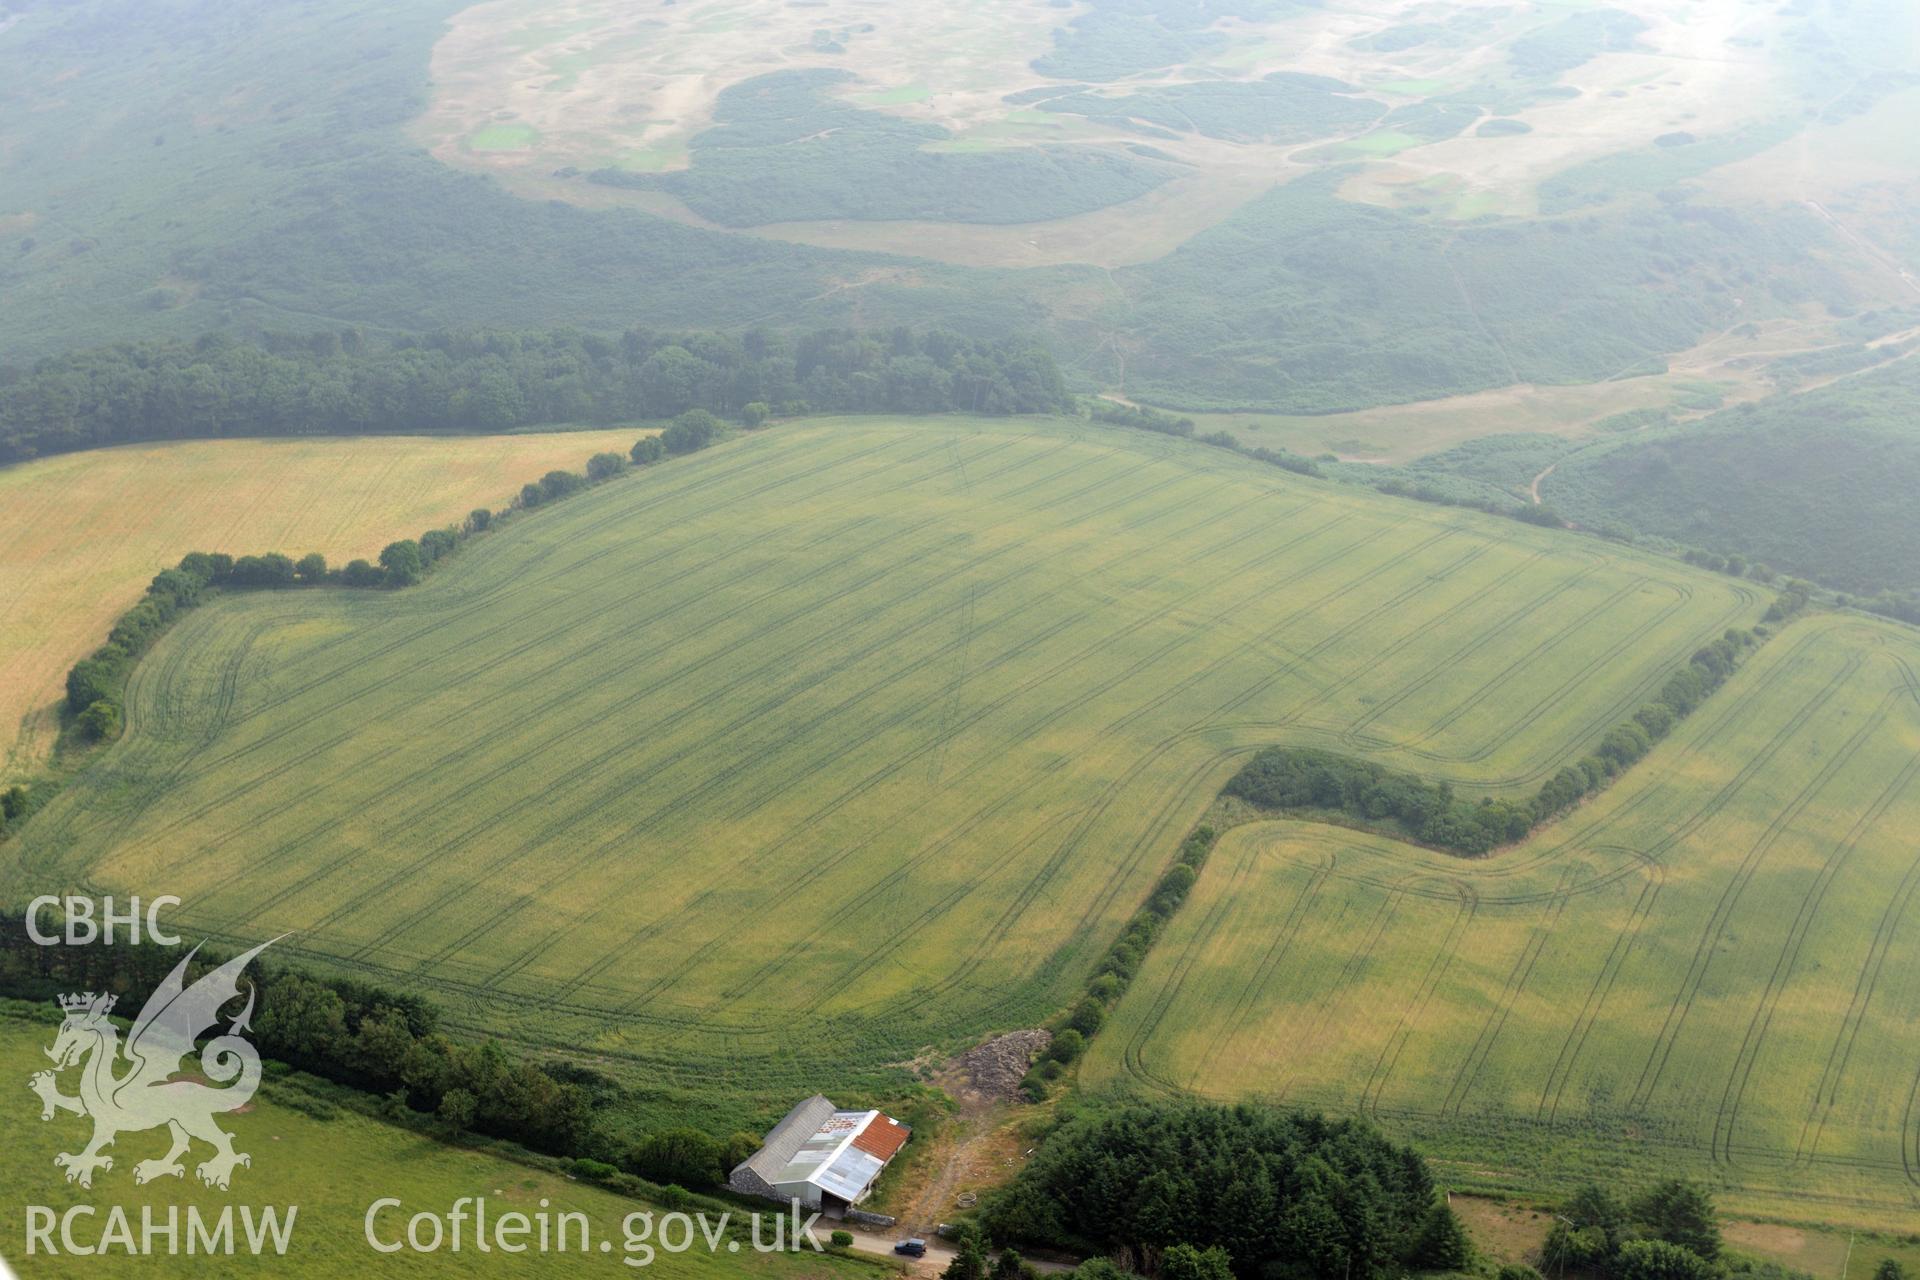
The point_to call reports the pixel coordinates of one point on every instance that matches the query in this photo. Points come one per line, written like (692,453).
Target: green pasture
(1712,969)
(330,1164)
(899,96)
(504,137)
(787,760)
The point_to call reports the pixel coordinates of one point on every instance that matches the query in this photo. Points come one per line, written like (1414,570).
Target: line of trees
(1123,960)
(385,1042)
(343,383)
(1142,418)
(1627,742)
(1526,513)
(388,1044)
(96,684)
(1672,1232)
(1196,1191)
(1296,778)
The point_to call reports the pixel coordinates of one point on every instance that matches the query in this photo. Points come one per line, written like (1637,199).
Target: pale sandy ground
(591,83)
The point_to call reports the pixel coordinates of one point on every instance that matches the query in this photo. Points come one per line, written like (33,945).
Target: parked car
(914,1248)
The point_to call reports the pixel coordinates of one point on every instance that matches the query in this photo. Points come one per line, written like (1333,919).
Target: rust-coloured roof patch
(882,1137)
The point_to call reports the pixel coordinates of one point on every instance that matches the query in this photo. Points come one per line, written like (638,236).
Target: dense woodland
(1278,1192)
(493,381)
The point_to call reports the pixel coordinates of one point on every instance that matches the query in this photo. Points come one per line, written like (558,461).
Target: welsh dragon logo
(147,1094)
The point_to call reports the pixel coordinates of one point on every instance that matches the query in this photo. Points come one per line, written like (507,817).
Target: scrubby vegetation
(325,213)
(1286,106)
(1819,484)
(1573,41)
(373,1038)
(1307,303)
(1670,1231)
(727,628)
(784,149)
(1114,39)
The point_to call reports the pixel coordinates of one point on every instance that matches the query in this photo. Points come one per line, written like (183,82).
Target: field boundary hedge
(1303,780)
(96,685)
(1311,783)
(1142,418)
(1123,960)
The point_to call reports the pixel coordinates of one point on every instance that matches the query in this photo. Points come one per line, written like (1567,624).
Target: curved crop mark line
(476,740)
(1151,836)
(1357,963)
(1604,716)
(819,868)
(902,714)
(1826,1094)
(1561,1072)
(1069,663)
(1183,798)
(1762,1020)
(167,781)
(1723,910)
(1471,1066)
(807,608)
(1910,1135)
(1503,678)
(1062,854)
(669,677)
(1278,948)
(1357,731)
(1133,1058)
(1443,958)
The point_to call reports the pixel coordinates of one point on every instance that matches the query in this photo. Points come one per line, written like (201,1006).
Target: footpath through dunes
(1712,968)
(836,741)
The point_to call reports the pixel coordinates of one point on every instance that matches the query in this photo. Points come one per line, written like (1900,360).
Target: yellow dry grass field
(81,534)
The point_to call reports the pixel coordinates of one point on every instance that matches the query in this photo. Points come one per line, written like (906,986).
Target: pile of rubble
(995,1068)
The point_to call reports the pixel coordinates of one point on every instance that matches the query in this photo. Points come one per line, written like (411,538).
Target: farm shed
(821,1156)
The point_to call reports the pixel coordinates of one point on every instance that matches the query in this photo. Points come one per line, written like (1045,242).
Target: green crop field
(329,1165)
(1710,968)
(846,738)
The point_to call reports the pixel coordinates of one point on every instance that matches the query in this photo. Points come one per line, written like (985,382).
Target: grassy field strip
(320,1160)
(81,534)
(1698,968)
(719,653)
(793,689)
(926,701)
(474,608)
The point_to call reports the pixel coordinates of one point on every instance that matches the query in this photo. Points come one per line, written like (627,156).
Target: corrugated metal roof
(784,1140)
(843,1154)
(849,1174)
